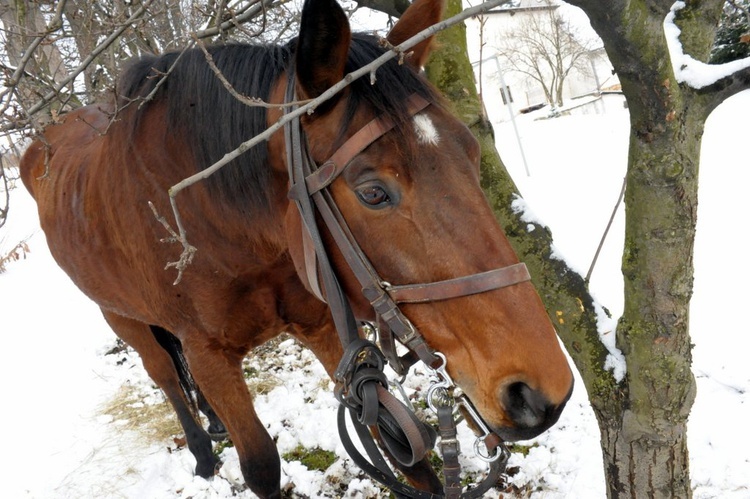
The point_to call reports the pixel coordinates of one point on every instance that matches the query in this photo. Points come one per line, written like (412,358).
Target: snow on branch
(695,74)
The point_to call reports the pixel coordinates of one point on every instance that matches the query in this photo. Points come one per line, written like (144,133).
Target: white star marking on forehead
(426,131)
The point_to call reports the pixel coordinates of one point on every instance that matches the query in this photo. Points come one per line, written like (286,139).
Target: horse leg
(218,371)
(319,339)
(216,428)
(160,367)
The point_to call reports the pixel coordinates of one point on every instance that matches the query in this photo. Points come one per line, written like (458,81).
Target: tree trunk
(645,448)
(644,445)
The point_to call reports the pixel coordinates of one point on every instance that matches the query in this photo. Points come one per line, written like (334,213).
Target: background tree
(733,36)
(546,47)
(65,54)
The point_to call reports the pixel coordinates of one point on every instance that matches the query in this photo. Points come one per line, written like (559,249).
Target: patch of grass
(520,448)
(262,384)
(221,445)
(314,459)
(155,422)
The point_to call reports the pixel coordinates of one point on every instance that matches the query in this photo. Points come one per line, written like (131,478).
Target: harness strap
(449,449)
(399,363)
(409,439)
(372,131)
(382,472)
(299,166)
(362,268)
(460,286)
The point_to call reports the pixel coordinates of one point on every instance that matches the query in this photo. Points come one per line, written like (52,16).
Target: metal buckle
(439,393)
(442,393)
(463,401)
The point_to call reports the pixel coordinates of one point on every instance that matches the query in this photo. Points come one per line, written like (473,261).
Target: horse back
(75,133)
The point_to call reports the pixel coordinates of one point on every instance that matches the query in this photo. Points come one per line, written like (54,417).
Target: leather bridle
(361,385)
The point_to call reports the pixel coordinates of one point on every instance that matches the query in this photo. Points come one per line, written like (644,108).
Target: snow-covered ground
(56,380)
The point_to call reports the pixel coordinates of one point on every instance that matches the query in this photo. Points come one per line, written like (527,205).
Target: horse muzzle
(528,411)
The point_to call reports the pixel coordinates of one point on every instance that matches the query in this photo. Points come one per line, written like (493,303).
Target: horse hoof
(218,436)
(208,470)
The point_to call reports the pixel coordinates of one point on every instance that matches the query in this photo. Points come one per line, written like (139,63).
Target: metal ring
(431,396)
(481,455)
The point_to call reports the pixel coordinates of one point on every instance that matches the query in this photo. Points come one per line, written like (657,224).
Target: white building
(524,92)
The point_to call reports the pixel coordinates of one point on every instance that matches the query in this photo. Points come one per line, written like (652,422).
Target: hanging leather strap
(299,166)
(449,448)
(360,379)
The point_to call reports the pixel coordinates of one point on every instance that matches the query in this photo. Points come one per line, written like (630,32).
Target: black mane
(214,122)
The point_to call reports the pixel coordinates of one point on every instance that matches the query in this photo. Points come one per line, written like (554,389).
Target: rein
(361,384)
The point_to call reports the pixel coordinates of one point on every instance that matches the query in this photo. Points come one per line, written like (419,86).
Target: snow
(56,379)
(687,70)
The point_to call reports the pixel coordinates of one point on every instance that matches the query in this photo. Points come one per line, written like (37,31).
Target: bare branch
(248,101)
(46,99)
(606,231)
(54,24)
(6,189)
(235,21)
(188,250)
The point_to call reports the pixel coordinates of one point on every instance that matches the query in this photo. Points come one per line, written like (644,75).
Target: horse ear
(322,46)
(419,16)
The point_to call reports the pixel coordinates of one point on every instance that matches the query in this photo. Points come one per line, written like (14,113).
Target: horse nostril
(526,407)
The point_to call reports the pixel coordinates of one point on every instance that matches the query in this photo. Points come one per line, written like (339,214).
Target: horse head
(411,199)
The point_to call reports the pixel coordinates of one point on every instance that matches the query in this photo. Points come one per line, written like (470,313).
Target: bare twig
(235,21)
(188,251)
(6,189)
(264,19)
(606,231)
(18,252)
(47,98)
(54,24)
(248,101)
(309,108)
(164,77)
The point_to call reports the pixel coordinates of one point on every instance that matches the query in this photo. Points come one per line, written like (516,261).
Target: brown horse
(411,200)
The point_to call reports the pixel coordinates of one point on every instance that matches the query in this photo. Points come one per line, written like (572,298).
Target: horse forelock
(394,83)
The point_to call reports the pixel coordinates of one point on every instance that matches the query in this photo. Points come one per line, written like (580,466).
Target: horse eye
(373,196)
